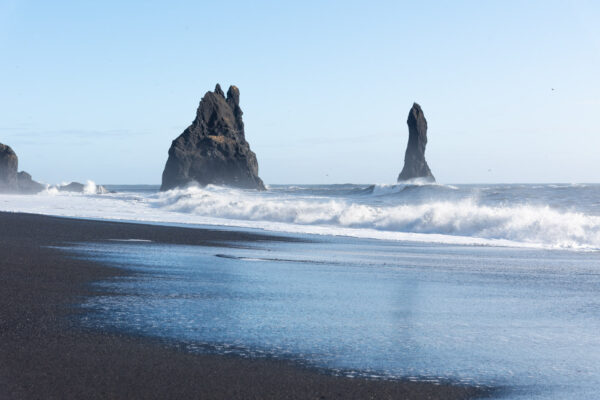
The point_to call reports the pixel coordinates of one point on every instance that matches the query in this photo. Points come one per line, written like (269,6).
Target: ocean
(490,285)
(550,216)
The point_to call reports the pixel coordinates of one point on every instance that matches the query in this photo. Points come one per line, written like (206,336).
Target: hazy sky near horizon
(510,89)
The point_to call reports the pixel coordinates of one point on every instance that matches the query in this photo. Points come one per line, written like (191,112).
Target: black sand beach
(44,354)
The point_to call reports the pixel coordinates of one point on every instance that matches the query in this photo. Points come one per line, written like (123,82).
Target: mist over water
(547,216)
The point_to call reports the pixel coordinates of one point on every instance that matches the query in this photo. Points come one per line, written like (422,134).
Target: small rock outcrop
(76,187)
(213,150)
(12,181)
(415,165)
(27,185)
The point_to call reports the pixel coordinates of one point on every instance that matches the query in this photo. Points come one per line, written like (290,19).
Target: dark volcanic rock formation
(9,163)
(415,165)
(27,185)
(213,150)
(12,181)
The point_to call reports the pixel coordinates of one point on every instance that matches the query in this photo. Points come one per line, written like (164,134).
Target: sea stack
(12,181)
(415,165)
(9,163)
(213,150)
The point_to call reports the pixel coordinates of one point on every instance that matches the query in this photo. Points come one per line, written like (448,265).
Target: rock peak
(219,91)
(416,109)
(213,150)
(415,165)
(233,95)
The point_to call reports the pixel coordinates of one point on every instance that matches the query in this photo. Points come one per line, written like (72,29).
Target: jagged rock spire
(213,150)
(219,91)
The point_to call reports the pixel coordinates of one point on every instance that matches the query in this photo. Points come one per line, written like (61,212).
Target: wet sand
(45,354)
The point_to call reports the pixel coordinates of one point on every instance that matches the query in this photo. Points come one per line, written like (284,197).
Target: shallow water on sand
(524,319)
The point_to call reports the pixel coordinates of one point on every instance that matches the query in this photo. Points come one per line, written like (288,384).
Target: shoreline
(465,215)
(44,353)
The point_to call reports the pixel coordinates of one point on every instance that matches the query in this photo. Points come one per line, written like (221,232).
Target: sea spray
(548,216)
(467,216)
(90,187)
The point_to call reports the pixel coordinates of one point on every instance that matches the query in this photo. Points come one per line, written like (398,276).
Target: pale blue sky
(97,90)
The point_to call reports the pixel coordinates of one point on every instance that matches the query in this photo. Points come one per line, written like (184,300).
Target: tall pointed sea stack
(415,165)
(213,150)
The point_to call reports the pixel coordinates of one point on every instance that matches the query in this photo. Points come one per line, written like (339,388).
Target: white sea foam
(90,187)
(383,213)
(387,189)
(525,224)
(52,190)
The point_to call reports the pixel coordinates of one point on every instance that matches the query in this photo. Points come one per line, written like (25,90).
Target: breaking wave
(546,216)
(438,214)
